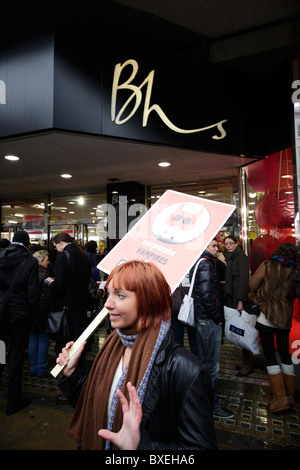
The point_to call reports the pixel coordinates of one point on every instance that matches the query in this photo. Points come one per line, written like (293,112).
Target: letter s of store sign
(2,92)
(137,95)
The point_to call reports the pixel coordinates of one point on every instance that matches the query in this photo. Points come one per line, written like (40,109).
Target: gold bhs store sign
(136,94)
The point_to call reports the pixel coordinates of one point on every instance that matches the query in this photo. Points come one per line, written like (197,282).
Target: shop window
(270,203)
(65,213)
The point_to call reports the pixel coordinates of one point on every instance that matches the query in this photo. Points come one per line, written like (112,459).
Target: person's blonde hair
(40,255)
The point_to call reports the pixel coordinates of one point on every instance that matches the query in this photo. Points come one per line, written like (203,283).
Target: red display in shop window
(261,249)
(287,208)
(286,235)
(268,212)
(262,175)
(275,211)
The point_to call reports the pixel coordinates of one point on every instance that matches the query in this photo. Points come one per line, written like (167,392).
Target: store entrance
(42,235)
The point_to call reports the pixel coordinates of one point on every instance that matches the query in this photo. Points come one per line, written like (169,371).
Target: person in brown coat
(273,288)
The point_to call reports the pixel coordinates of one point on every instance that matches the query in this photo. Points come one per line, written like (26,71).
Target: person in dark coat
(38,346)
(237,276)
(19,312)
(168,388)
(91,252)
(72,275)
(208,310)
(4,243)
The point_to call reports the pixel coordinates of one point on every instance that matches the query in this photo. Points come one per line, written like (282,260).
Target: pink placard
(172,235)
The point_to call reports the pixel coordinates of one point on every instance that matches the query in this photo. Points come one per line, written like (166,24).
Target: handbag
(186,312)
(57,323)
(178,296)
(240,329)
(252,307)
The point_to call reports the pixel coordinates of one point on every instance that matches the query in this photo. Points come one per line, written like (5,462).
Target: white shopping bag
(186,312)
(240,329)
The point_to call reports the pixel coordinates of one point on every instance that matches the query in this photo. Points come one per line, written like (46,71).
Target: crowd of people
(145,389)
(273,287)
(43,282)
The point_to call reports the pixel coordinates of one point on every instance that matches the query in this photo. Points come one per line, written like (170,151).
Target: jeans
(209,339)
(38,353)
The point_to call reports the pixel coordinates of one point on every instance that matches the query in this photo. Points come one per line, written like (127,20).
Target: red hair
(154,296)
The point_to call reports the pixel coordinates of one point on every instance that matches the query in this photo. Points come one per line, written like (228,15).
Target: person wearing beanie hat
(22,237)
(4,243)
(19,295)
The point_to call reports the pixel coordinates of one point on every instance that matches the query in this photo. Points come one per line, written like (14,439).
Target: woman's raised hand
(129,435)
(64,359)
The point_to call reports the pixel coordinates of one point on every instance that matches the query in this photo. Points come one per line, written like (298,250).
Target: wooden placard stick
(83,337)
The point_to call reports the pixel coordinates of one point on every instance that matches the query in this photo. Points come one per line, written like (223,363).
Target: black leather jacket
(206,291)
(23,303)
(178,403)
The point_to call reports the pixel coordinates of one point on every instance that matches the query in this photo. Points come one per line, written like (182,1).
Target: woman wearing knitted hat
(143,391)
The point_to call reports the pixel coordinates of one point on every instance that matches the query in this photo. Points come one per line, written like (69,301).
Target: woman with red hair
(143,391)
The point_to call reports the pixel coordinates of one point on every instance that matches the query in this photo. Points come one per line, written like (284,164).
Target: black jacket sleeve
(181,418)
(71,386)
(206,294)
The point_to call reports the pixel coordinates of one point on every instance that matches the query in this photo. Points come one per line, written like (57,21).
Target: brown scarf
(91,410)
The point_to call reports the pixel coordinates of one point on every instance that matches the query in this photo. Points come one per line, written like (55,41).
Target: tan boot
(289,385)
(279,401)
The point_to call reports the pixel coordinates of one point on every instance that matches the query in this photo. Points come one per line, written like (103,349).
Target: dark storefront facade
(60,79)
(81,78)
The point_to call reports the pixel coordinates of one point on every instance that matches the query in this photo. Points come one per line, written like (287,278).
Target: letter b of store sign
(296,352)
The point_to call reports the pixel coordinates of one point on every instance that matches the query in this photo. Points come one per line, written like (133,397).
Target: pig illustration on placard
(181,222)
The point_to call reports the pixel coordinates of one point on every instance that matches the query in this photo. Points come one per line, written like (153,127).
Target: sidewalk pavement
(43,424)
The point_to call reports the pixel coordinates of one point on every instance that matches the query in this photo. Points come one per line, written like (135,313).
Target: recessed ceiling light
(66,175)
(12,158)
(164,164)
